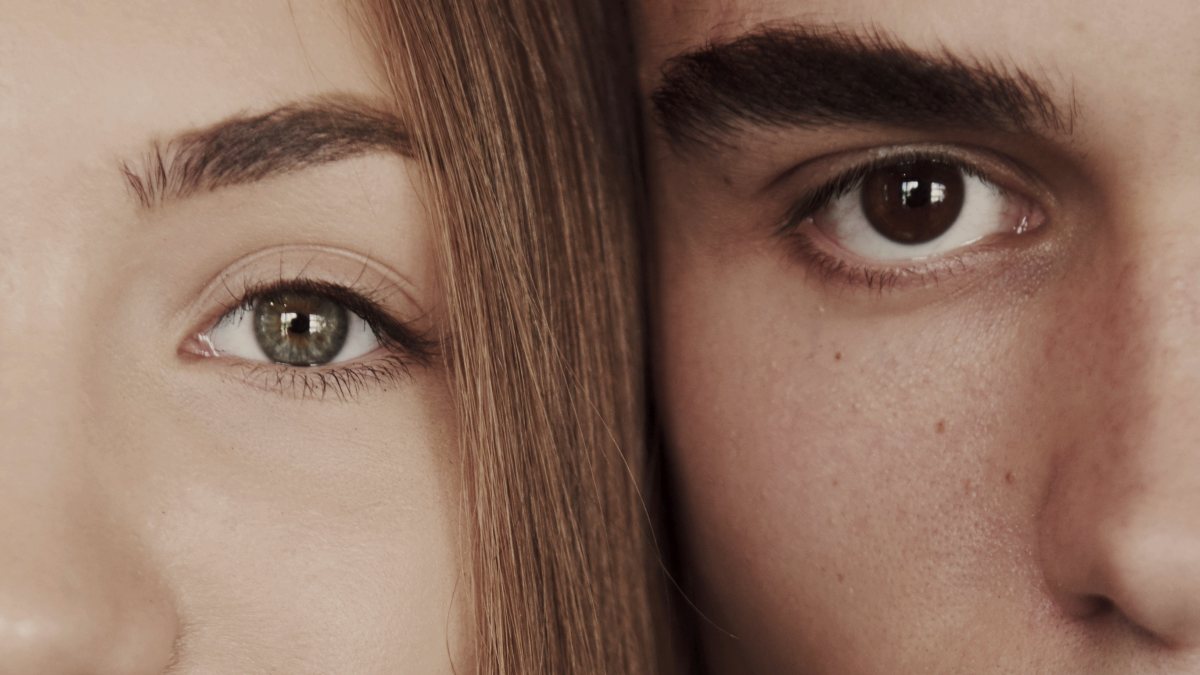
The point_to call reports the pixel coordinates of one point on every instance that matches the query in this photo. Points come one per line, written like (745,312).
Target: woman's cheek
(345,529)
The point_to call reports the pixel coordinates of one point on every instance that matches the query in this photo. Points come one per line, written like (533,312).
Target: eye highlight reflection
(293,328)
(905,216)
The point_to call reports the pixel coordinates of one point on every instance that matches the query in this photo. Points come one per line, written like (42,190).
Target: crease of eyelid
(263,269)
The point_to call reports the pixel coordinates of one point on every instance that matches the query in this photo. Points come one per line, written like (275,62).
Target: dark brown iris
(913,202)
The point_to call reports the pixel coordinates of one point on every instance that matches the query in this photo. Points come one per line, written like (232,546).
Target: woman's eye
(919,208)
(293,328)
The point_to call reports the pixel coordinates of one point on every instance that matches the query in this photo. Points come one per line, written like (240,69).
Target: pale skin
(988,469)
(171,508)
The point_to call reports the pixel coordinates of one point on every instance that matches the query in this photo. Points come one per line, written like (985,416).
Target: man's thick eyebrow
(248,148)
(807,77)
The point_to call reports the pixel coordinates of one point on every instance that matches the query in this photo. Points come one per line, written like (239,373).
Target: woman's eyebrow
(800,76)
(248,148)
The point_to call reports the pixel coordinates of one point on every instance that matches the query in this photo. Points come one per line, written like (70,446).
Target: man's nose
(79,593)
(1120,525)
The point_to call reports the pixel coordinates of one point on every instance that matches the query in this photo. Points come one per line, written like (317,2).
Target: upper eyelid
(1005,172)
(964,151)
(390,330)
(852,178)
(373,279)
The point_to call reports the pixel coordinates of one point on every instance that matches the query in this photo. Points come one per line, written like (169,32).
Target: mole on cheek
(837,356)
(940,427)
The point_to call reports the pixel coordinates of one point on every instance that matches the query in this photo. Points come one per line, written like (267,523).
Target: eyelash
(406,346)
(876,278)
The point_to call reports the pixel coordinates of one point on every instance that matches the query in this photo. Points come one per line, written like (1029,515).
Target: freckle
(726,179)
(841,577)
(1010,478)
(941,426)
(967,485)
(835,482)
(837,356)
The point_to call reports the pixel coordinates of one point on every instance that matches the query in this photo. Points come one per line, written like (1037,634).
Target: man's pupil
(913,202)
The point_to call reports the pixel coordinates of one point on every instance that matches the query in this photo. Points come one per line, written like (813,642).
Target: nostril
(1088,607)
(1096,607)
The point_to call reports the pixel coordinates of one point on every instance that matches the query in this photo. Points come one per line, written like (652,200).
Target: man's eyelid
(1001,170)
(1016,156)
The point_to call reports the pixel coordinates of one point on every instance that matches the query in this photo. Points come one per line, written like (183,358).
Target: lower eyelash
(344,382)
(836,270)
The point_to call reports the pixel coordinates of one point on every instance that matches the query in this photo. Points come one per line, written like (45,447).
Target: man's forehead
(668,27)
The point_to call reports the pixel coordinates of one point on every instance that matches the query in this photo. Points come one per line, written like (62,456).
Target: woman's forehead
(77,74)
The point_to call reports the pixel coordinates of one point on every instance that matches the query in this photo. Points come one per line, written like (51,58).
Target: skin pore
(172,501)
(971,451)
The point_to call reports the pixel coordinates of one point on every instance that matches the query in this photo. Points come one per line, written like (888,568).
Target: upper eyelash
(849,180)
(395,335)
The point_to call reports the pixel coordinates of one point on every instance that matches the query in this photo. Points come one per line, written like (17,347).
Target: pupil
(913,202)
(300,329)
(299,325)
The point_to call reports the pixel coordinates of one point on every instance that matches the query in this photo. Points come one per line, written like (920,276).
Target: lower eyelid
(343,382)
(843,271)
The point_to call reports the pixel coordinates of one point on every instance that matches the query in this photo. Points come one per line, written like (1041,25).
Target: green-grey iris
(300,329)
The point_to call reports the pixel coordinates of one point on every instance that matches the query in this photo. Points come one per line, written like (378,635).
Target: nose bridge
(74,594)
(1119,524)
(78,593)
(1158,433)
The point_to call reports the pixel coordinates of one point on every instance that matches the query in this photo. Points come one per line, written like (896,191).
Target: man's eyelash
(833,269)
(851,179)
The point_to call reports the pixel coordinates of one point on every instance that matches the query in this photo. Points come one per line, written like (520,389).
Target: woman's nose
(78,592)
(76,608)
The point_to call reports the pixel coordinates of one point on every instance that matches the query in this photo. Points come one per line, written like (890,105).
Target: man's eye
(293,328)
(919,208)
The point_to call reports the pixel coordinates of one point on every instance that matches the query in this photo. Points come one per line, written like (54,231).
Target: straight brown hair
(524,117)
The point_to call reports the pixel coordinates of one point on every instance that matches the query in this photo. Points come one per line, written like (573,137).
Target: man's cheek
(849,436)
